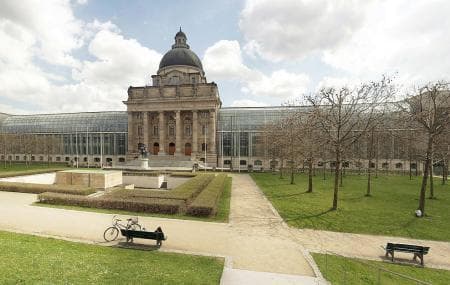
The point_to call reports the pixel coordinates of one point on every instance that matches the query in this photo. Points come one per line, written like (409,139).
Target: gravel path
(256,239)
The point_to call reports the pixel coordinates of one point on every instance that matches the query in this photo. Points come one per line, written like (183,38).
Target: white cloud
(280,84)
(49,26)
(98,84)
(293,29)
(223,60)
(247,103)
(411,38)
(119,61)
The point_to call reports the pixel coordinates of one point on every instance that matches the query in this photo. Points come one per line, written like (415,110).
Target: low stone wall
(90,178)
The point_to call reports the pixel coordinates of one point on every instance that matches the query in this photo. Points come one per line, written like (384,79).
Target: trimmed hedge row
(183,174)
(186,191)
(28,172)
(41,188)
(148,205)
(205,204)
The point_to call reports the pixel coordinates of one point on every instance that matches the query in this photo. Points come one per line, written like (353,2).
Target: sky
(82,55)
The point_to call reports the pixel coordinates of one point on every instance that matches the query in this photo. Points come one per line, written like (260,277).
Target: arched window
(258,162)
(399,165)
(243,162)
(385,165)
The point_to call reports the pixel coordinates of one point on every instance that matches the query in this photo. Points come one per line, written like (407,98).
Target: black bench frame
(157,235)
(418,251)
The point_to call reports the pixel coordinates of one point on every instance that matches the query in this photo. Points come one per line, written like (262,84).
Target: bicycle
(112,232)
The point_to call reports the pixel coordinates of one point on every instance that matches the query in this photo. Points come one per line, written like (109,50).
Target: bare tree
(342,111)
(429,107)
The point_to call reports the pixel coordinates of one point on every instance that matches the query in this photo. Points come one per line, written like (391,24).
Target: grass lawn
(348,271)
(32,166)
(223,210)
(28,259)
(390,210)
(19,169)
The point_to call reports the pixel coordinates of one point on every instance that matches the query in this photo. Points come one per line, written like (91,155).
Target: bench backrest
(143,234)
(407,247)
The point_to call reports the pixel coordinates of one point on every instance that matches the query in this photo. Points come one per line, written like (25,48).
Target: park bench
(157,235)
(418,251)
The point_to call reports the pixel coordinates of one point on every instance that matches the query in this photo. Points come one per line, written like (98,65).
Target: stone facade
(177,115)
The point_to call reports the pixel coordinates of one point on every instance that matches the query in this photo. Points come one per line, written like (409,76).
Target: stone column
(162,133)
(212,132)
(130,133)
(194,132)
(145,114)
(178,133)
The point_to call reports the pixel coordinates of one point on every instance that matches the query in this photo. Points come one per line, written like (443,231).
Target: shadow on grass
(317,215)
(136,246)
(287,195)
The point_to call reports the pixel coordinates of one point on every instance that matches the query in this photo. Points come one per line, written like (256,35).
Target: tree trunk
(423,188)
(324,171)
(377,157)
(292,173)
(368,180)
(431,181)
(310,177)
(341,182)
(444,172)
(281,169)
(336,179)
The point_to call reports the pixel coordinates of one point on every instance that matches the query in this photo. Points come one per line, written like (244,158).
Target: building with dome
(178,120)
(177,115)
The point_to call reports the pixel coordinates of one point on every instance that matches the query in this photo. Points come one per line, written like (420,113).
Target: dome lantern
(181,54)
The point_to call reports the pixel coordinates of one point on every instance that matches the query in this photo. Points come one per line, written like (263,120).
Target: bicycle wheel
(135,227)
(111,234)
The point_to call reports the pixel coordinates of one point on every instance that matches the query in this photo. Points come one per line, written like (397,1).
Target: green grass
(32,166)
(28,259)
(221,216)
(389,211)
(348,271)
(20,169)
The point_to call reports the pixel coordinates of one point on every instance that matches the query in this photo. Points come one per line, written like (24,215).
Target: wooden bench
(418,251)
(157,235)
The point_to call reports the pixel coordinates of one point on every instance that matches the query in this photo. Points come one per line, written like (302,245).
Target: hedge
(183,174)
(206,202)
(28,172)
(41,188)
(186,191)
(148,205)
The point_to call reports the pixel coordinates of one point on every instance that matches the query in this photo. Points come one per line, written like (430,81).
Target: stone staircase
(164,162)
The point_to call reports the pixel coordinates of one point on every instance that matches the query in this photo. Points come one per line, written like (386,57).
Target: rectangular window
(171,131)
(155,131)
(187,131)
(204,129)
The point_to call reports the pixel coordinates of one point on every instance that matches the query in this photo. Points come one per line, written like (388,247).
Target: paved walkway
(255,238)
(370,246)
